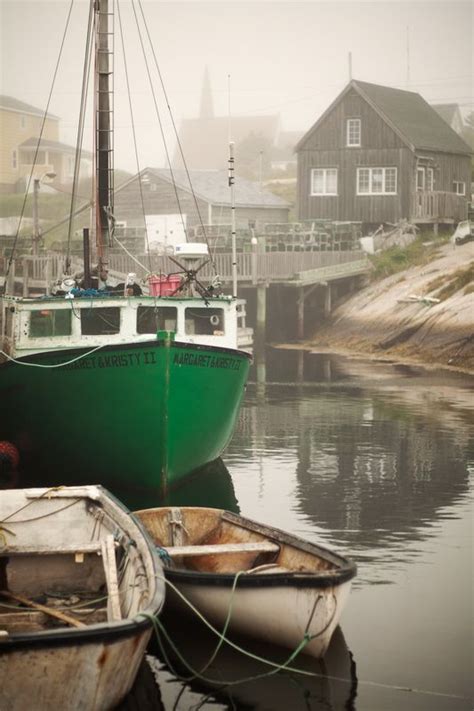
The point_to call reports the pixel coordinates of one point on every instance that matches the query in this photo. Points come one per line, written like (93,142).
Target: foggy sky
(286,58)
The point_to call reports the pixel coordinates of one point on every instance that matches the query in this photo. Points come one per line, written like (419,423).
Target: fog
(265,57)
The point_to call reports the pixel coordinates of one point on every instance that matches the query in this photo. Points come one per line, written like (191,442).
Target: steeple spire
(207,108)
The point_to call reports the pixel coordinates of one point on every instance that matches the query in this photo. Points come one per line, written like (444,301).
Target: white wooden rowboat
(78,578)
(288,589)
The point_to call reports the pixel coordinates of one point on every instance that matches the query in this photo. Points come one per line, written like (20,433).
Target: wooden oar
(43,608)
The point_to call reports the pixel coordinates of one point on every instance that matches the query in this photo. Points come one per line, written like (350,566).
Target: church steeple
(207,108)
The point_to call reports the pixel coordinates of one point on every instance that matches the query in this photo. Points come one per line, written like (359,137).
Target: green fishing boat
(130,387)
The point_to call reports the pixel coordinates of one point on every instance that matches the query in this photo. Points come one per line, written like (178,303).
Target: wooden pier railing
(36,273)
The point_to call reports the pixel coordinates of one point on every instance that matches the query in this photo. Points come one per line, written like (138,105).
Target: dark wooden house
(168,205)
(378,155)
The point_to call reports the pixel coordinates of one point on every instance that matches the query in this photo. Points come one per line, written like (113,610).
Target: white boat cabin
(39,325)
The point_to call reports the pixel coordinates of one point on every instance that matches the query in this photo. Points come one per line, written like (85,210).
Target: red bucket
(164,285)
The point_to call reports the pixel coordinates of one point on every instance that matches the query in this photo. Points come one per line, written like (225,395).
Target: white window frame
(420,184)
(325,172)
(350,123)
(459,187)
(430,179)
(371,170)
(23,122)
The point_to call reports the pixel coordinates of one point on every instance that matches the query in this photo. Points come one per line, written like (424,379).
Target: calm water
(375,460)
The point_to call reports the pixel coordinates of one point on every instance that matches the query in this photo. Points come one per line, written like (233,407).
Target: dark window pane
(151,319)
(54,322)
(100,321)
(205,321)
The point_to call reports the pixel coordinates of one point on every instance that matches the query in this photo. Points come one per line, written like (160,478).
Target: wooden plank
(223,548)
(71,549)
(43,608)
(111,577)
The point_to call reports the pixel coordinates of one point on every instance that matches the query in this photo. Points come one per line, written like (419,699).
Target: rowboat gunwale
(109,631)
(345,569)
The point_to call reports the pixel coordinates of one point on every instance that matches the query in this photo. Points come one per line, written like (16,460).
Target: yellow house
(20,127)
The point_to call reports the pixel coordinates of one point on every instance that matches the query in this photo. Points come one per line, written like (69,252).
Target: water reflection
(235,680)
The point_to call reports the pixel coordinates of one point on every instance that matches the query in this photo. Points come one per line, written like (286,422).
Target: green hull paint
(142,415)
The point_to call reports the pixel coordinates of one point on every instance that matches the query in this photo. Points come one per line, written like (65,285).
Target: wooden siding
(331,133)
(162,201)
(159,201)
(13,135)
(347,205)
(381,146)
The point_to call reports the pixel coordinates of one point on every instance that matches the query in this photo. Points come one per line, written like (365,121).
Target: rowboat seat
(223,548)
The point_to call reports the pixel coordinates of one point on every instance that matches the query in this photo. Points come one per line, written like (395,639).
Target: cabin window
(324,181)
(100,321)
(204,321)
(376,181)
(151,319)
(430,179)
(353,132)
(420,179)
(459,187)
(50,322)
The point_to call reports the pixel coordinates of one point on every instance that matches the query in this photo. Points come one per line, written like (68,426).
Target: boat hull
(268,583)
(279,614)
(159,409)
(80,584)
(85,677)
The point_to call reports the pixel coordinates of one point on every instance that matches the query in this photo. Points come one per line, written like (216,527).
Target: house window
(430,179)
(353,132)
(70,166)
(459,187)
(376,181)
(14,159)
(420,179)
(153,187)
(324,181)
(23,122)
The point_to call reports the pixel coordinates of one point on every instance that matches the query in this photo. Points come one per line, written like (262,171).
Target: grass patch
(457,281)
(397,259)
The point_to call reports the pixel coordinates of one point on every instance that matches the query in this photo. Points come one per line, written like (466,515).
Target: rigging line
(43,123)
(80,128)
(53,365)
(177,135)
(134,135)
(131,255)
(165,144)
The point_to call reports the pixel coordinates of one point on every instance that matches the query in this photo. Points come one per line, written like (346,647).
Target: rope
(134,133)
(285,665)
(142,266)
(177,136)
(160,123)
(45,115)
(56,365)
(80,129)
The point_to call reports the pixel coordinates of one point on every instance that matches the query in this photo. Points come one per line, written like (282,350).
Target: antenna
(228,110)
(408,57)
(232,203)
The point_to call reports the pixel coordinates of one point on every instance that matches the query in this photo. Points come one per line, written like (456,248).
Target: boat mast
(103,119)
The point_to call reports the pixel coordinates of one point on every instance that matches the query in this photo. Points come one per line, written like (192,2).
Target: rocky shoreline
(423,314)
